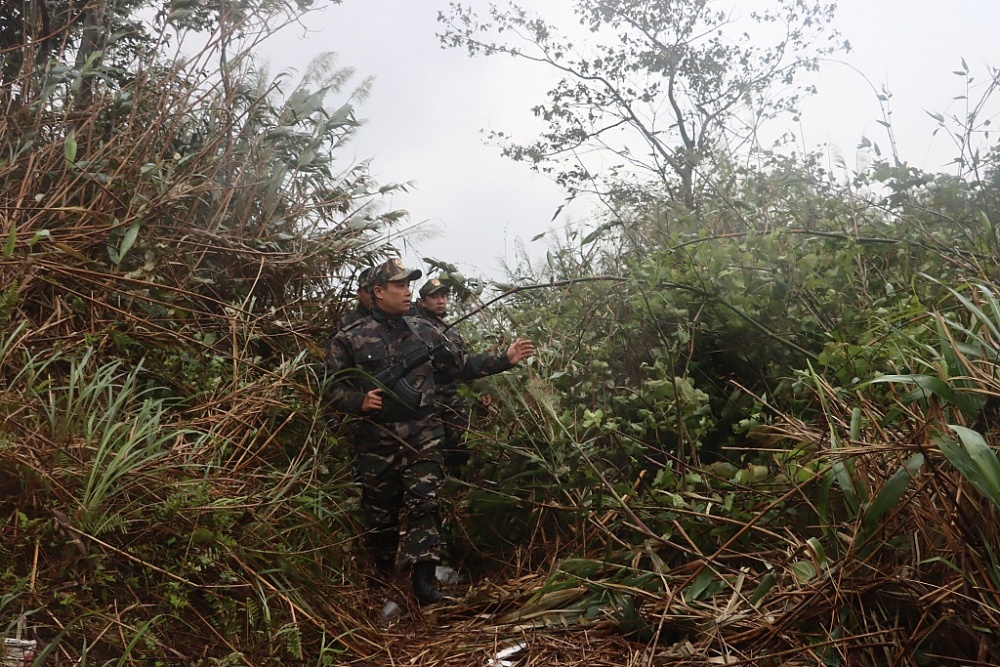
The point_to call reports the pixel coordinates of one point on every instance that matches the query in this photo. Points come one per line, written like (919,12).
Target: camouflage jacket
(358,313)
(359,351)
(447,390)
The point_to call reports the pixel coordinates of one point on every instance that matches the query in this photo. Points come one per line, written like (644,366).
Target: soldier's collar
(380,315)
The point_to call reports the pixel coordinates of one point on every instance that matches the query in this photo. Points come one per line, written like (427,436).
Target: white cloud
(430,105)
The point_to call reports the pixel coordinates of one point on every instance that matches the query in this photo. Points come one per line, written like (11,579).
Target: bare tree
(665,87)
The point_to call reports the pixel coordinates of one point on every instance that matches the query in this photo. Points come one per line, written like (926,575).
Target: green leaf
(39,235)
(8,248)
(984,220)
(894,488)
(699,585)
(202,535)
(856,424)
(305,158)
(988,322)
(929,385)
(974,459)
(69,146)
(803,570)
(843,474)
(341,115)
(817,548)
(303,104)
(128,241)
(178,15)
(581,567)
(765,585)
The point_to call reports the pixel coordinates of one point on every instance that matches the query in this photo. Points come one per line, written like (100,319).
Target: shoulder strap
(351,325)
(415,324)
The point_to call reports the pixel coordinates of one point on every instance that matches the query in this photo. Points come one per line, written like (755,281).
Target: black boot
(425,583)
(382,575)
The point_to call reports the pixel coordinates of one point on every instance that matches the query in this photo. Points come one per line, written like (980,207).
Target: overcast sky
(429,107)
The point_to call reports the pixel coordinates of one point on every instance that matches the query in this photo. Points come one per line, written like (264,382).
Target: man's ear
(378,292)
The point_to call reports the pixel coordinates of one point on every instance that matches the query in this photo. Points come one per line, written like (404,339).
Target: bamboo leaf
(129,240)
(974,459)
(69,146)
(765,585)
(8,248)
(894,488)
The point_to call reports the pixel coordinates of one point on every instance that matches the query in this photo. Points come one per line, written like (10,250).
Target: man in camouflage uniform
(452,407)
(363,308)
(399,460)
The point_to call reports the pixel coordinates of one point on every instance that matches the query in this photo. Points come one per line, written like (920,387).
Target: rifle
(402,400)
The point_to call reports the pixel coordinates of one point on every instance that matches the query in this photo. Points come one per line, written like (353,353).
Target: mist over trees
(759,427)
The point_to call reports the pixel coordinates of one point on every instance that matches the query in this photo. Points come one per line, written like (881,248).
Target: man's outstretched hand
(520,350)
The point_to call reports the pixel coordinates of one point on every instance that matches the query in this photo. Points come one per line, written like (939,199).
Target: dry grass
(802,581)
(164,235)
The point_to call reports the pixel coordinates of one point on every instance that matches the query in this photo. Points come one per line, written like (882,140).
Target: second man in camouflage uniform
(363,307)
(399,459)
(452,406)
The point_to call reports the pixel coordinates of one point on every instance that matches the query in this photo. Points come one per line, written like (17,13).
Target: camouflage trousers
(400,467)
(456,420)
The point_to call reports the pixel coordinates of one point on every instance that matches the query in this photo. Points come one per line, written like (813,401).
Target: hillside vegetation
(759,429)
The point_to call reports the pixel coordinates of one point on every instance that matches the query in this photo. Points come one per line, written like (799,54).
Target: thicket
(180,233)
(758,429)
(770,438)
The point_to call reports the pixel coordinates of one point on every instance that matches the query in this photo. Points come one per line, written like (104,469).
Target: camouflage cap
(364,277)
(433,286)
(390,271)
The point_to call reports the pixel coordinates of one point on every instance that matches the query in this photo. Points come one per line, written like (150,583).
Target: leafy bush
(180,239)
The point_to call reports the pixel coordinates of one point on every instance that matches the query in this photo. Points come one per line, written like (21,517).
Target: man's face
(393,297)
(437,303)
(365,297)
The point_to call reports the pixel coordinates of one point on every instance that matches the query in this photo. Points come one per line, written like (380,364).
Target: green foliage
(974,458)
(748,388)
(123,474)
(792,382)
(120,429)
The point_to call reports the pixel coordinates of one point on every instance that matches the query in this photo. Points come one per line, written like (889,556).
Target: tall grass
(177,245)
